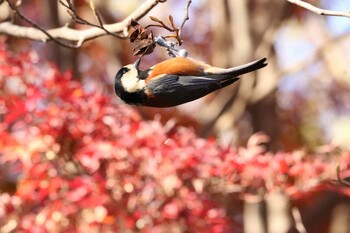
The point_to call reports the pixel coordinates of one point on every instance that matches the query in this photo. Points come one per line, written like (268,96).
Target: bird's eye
(121,72)
(124,70)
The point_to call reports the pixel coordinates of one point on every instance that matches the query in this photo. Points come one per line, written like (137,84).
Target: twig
(340,180)
(35,25)
(76,18)
(186,16)
(73,14)
(74,35)
(298,221)
(171,28)
(170,47)
(161,24)
(99,19)
(319,11)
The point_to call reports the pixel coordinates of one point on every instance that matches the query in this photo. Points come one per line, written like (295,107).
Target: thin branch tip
(186,16)
(318,10)
(69,37)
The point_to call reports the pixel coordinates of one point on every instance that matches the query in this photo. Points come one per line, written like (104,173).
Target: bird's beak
(137,63)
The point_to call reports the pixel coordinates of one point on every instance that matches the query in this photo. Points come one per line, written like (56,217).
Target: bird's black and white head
(128,85)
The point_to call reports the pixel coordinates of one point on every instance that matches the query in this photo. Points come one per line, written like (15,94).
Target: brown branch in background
(76,38)
(319,11)
(55,52)
(239,22)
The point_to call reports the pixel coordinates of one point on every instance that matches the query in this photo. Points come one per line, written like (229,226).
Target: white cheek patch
(131,83)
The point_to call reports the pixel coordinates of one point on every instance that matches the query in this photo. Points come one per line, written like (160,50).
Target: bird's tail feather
(239,70)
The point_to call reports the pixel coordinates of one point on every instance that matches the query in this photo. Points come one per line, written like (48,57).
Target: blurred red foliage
(84,163)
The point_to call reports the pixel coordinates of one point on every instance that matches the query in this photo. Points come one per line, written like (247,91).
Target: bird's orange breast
(178,65)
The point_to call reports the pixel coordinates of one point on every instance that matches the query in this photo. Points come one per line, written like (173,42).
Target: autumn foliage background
(73,158)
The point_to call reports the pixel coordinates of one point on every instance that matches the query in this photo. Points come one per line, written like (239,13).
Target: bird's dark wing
(172,90)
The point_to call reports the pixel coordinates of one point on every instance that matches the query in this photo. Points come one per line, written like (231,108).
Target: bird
(175,81)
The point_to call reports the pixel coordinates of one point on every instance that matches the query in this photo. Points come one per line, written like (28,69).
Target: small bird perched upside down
(175,81)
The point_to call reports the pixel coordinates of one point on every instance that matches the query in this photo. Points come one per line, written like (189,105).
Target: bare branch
(186,16)
(161,24)
(298,221)
(73,35)
(15,9)
(319,11)
(73,14)
(340,180)
(99,19)
(76,18)
(171,28)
